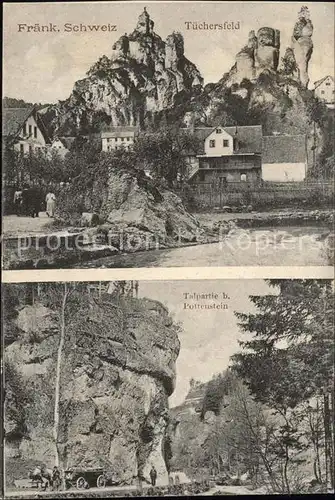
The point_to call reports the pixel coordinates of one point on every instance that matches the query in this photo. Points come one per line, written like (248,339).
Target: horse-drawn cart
(84,478)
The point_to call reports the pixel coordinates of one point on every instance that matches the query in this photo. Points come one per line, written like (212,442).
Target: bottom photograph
(157,388)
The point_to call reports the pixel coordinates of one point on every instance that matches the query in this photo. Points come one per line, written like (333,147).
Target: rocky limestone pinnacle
(302,44)
(141,76)
(174,50)
(267,51)
(260,54)
(144,24)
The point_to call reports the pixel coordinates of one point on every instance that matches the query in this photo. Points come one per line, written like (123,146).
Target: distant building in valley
(324,90)
(284,158)
(115,138)
(23,130)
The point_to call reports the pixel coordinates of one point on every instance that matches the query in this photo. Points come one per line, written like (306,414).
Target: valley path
(12,225)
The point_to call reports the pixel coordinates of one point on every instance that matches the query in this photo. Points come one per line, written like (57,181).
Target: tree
(289,359)
(163,153)
(289,65)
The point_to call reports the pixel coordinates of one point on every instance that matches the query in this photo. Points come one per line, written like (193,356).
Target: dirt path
(31,493)
(233,490)
(12,225)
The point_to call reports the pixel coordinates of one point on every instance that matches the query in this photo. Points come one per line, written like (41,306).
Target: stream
(284,246)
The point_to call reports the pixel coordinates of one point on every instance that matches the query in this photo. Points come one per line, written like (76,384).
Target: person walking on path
(18,201)
(56,479)
(153,475)
(51,203)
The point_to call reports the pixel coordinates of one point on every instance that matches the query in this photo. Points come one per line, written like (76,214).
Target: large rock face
(142,76)
(161,213)
(117,371)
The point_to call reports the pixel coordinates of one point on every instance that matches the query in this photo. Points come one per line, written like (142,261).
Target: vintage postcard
(168,243)
(156,388)
(145,134)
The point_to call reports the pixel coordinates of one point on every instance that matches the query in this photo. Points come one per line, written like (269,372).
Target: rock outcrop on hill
(302,44)
(117,371)
(266,88)
(142,76)
(261,54)
(149,82)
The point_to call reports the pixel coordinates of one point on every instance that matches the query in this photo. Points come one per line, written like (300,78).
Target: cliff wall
(117,371)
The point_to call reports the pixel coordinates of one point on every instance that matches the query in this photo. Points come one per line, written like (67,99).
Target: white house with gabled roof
(324,90)
(24,130)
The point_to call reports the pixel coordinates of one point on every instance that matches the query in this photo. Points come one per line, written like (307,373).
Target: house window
(128,138)
(24,129)
(212,143)
(35,132)
(30,130)
(30,149)
(235,144)
(243,177)
(322,91)
(122,139)
(225,143)
(328,84)
(218,131)
(115,139)
(22,148)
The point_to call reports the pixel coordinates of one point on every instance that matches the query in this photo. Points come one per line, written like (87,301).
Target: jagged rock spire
(302,44)
(144,25)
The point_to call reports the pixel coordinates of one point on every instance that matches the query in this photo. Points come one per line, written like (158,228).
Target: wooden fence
(266,194)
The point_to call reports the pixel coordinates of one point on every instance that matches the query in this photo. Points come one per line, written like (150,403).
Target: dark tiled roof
(284,149)
(318,82)
(202,132)
(119,131)
(13,120)
(249,137)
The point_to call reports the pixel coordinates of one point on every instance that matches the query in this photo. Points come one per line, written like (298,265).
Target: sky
(208,337)
(43,67)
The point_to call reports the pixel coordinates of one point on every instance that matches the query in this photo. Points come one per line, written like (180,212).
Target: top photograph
(168,134)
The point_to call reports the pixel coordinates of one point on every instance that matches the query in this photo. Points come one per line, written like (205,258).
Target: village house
(115,138)
(324,90)
(228,154)
(62,145)
(23,130)
(241,154)
(284,158)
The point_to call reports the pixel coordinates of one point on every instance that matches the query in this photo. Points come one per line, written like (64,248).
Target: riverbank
(310,234)
(272,218)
